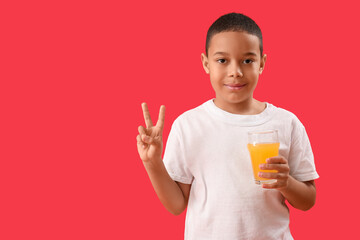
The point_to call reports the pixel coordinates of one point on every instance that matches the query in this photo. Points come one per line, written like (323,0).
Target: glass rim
(263,132)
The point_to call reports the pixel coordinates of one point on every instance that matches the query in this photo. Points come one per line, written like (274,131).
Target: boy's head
(234,60)
(234,22)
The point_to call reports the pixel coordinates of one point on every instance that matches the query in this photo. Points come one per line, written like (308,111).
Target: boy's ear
(205,63)
(262,63)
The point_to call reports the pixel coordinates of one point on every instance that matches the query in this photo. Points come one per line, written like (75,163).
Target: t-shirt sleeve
(301,157)
(174,157)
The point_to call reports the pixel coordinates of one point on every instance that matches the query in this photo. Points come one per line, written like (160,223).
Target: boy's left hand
(280,164)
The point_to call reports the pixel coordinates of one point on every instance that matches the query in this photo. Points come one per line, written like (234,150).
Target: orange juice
(259,152)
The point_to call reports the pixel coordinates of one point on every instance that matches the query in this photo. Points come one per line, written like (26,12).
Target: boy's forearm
(166,189)
(300,195)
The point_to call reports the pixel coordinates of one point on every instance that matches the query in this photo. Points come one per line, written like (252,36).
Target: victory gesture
(149,140)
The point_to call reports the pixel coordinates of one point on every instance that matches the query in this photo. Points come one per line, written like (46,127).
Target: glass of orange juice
(262,145)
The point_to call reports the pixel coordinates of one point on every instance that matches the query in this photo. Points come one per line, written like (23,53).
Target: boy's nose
(235,71)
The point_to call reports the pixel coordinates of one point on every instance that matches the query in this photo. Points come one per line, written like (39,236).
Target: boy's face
(234,64)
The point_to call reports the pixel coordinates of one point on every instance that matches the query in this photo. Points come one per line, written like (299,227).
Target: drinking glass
(262,145)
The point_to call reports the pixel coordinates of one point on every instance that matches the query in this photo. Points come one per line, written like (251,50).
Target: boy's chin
(235,100)
(232,101)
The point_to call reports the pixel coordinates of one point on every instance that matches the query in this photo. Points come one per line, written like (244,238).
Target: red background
(74,73)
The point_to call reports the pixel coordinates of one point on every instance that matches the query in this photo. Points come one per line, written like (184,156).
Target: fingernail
(262,166)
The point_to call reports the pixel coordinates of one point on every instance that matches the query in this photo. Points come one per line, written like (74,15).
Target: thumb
(155,141)
(147,139)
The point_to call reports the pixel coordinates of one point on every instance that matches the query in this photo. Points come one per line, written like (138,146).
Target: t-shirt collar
(238,119)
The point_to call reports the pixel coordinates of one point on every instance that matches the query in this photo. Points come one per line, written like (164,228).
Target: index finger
(276,160)
(146,114)
(161,119)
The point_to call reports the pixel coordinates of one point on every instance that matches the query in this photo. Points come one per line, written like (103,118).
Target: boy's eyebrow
(220,53)
(246,54)
(250,53)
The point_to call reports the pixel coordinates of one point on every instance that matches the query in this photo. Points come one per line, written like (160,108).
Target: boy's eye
(221,60)
(247,61)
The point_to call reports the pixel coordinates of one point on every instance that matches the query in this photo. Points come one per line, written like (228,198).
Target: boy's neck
(250,107)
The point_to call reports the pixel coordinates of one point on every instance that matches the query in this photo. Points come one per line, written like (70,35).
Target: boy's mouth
(234,86)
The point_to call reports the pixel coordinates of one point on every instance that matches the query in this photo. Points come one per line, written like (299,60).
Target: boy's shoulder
(193,113)
(282,112)
(284,115)
(200,109)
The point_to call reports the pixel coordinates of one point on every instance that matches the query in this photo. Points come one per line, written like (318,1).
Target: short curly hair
(234,22)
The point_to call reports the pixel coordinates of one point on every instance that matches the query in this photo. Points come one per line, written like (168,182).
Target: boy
(207,168)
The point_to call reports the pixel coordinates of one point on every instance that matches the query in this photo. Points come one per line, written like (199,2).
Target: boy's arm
(174,196)
(300,195)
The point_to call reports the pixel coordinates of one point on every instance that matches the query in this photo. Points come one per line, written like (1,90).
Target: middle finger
(278,167)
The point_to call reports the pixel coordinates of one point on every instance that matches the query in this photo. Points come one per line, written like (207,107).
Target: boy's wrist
(288,186)
(154,165)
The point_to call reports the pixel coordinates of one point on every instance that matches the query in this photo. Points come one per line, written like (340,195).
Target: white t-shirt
(207,147)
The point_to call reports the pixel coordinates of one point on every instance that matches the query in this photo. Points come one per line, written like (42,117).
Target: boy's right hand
(149,140)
